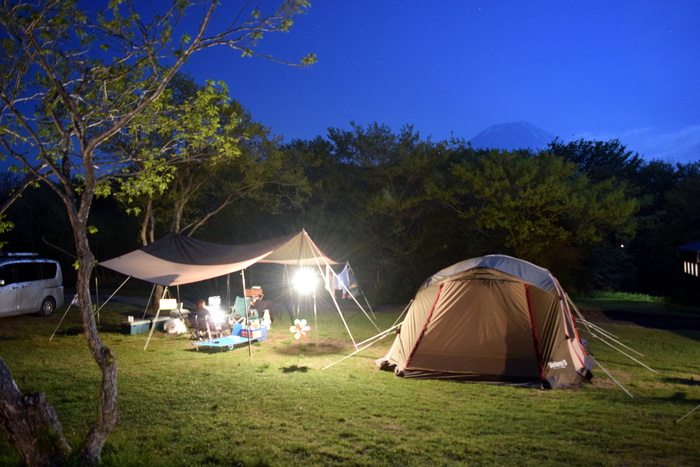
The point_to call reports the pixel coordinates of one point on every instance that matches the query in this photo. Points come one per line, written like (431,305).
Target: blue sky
(576,69)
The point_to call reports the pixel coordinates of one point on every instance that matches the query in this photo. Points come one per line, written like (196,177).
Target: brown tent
(493,319)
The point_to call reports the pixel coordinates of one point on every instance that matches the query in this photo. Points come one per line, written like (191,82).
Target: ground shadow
(70,330)
(322,347)
(294,369)
(686,381)
(656,321)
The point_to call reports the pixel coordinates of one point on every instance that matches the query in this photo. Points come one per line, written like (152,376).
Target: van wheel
(47,306)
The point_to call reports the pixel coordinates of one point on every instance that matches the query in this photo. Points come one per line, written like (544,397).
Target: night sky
(576,69)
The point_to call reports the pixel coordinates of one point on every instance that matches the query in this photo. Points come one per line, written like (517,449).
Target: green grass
(621,297)
(278,407)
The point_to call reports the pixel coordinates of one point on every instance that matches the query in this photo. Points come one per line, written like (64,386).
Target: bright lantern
(305,281)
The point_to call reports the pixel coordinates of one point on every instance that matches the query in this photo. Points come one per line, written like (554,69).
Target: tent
(492,319)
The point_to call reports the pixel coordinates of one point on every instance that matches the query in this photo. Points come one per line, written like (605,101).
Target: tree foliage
(538,207)
(600,160)
(222,154)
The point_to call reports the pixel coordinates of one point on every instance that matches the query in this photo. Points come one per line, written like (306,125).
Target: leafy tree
(224,157)
(600,160)
(540,207)
(675,221)
(390,201)
(70,80)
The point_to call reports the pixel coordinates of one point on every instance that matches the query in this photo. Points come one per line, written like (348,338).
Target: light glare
(304,281)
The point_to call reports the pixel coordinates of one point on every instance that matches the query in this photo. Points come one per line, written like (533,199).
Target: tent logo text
(557,365)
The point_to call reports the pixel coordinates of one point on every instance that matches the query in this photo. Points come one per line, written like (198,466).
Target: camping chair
(239,309)
(197,331)
(201,328)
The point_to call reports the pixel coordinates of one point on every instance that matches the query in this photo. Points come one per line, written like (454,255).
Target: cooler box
(139,326)
(251,333)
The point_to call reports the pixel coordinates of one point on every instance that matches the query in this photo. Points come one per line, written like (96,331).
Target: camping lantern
(305,281)
(214,306)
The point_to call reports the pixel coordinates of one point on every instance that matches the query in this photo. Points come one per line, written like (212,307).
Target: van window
(8,273)
(28,272)
(48,270)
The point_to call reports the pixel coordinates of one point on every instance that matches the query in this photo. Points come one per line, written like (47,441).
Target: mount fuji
(511,136)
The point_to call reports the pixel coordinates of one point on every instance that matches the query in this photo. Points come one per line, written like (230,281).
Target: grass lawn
(277,406)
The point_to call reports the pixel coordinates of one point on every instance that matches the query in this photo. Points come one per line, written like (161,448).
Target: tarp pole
(179,306)
(97,301)
(150,297)
(153,323)
(335,277)
(316,320)
(247,312)
(337,307)
(347,289)
(228,292)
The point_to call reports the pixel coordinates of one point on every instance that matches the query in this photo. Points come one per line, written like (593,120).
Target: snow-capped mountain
(510,136)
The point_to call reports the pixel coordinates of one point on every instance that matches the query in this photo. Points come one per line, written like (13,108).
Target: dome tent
(492,319)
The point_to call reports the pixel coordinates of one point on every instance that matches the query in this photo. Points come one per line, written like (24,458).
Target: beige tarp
(176,260)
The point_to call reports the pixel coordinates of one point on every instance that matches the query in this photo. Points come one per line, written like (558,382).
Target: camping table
(223,342)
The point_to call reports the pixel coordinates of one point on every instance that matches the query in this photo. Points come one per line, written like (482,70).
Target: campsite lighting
(305,281)
(215,311)
(217,315)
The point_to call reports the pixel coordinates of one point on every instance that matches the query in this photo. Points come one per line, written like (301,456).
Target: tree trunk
(30,424)
(104,357)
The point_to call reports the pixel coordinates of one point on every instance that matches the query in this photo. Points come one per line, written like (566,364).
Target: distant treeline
(400,208)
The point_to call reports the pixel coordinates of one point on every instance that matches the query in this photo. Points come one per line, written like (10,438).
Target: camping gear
(175,259)
(492,319)
(139,326)
(238,337)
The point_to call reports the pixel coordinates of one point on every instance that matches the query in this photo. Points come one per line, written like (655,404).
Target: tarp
(695,246)
(176,259)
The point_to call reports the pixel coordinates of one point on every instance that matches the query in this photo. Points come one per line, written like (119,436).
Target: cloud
(677,146)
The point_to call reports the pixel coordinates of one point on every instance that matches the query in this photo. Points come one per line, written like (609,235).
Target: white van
(29,284)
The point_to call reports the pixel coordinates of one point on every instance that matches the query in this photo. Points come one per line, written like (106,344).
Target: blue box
(139,326)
